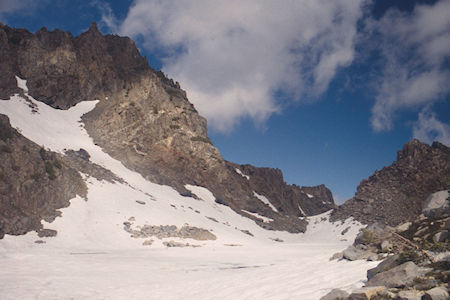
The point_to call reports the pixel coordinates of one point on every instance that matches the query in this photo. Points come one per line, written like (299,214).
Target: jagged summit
(93,27)
(396,193)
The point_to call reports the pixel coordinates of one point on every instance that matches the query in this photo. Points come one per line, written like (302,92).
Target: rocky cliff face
(34,183)
(62,70)
(145,120)
(290,199)
(396,194)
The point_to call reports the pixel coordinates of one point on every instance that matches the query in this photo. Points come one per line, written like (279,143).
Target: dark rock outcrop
(287,198)
(34,183)
(62,70)
(396,194)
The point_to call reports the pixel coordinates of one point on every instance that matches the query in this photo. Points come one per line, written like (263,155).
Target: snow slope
(93,257)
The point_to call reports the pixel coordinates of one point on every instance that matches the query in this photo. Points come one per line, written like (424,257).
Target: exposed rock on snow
(34,183)
(166,231)
(354,253)
(385,265)
(288,199)
(80,161)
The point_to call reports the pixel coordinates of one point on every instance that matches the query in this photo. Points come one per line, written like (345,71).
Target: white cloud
(108,19)
(14,6)
(429,129)
(233,56)
(414,48)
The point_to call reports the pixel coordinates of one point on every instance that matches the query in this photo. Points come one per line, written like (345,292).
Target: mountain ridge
(143,118)
(396,194)
(146,121)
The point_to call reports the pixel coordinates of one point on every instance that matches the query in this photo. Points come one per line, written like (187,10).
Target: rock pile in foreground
(416,257)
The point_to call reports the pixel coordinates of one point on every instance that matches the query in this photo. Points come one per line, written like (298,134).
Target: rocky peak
(412,150)
(93,28)
(396,193)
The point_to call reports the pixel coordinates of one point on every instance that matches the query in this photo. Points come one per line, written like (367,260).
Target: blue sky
(327,91)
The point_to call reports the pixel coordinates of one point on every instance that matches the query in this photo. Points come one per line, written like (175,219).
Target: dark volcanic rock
(396,194)
(34,183)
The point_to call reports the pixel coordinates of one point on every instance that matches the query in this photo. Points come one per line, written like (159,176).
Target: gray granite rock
(335,294)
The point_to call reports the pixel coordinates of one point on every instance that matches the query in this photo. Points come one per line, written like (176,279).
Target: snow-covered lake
(282,271)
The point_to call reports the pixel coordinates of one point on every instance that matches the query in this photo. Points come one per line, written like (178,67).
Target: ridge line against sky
(325,90)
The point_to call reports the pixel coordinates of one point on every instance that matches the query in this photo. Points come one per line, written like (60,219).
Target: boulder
(385,265)
(403,227)
(386,246)
(353,253)
(410,295)
(44,232)
(171,244)
(437,293)
(400,276)
(335,294)
(426,284)
(387,294)
(436,203)
(441,236)
(147,243)
(337,255)
(366,293)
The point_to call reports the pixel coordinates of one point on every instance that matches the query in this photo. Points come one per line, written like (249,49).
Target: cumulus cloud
(429,129)
(234,56)
(414,47)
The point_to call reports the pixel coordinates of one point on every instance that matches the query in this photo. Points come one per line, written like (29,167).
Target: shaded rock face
(287,198)
(396,194)
(63,70)
(143,118)
(34,183)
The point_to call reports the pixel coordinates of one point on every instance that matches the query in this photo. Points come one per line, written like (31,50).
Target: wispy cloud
(429,129)
(108,19)
(14,6)
(414,47)
(233,56)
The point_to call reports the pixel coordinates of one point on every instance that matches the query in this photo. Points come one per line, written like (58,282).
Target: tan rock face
(366,293)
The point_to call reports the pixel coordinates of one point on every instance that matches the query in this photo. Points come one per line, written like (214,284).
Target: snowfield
(93,257)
